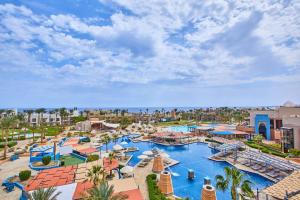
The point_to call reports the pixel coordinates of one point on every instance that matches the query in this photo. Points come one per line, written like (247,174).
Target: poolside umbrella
(117,147)
(148,153)
(124,143)
(127,170)
(142,157)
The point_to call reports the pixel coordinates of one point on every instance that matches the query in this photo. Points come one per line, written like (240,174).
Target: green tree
(106,140)
(44,194)
(104,192)
(40,112)
(258,138)
(96,174)
(115,137)
(234,177)
(7,123)
(63,114)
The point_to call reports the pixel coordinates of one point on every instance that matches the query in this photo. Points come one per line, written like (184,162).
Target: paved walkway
(140,174)
(11,168)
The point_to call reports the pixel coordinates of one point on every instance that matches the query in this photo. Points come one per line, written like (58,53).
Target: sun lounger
(272,174)
(263,170)
(142,164)
(256,167)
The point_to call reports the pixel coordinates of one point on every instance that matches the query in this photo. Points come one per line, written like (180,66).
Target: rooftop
(52,178)
(289,184)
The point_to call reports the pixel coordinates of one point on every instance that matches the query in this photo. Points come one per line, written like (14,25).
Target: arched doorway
(262,129)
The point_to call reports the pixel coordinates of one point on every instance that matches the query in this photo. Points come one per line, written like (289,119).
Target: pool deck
(241,167)
(140,174)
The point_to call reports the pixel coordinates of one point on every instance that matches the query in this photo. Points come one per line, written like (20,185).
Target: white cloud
(141,48)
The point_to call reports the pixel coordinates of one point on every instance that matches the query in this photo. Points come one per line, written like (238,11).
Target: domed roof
(289,104)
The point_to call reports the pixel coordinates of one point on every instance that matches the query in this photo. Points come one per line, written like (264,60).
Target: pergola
(171,136)
(271,160)
(37,153)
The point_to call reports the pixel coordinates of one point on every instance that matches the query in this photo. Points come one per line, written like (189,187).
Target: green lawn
(71,160)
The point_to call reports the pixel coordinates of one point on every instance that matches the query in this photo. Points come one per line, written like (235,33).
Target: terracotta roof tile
(81,189)
(52,177)
(290,184)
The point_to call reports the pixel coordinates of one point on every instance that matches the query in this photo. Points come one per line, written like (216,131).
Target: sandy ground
(9,169)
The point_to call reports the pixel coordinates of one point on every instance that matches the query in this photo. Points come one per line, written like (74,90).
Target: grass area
(174,123)
(71,160)
(53,131)
(153,190)
(265,148)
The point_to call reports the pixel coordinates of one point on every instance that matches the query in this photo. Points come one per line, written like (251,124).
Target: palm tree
(94,174)
(6,124)
(63,114)
(115,137)
(111,156)
(40,112)
(44,194)
(29,113)
(234,177)
(106,140)
(104,192)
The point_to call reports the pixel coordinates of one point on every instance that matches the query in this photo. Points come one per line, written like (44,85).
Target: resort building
(281,125)
(52,118)
(96,125)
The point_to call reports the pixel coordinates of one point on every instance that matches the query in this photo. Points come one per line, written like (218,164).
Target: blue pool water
(193,156)
(183,128)
(222,132)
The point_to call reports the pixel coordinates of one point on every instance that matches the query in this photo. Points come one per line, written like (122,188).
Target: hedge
(211,140)
(265,149)
(46,160)
(24,175)
(153,190)
(91,158)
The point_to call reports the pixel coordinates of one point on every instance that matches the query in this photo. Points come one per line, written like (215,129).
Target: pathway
(140,174)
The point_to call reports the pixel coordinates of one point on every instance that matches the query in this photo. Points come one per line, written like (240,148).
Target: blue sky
(132,53)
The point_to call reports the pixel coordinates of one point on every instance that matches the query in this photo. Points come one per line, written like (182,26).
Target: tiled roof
(81,189)
(52,177)
(110,166)
(133,194)
(290,184)
(87,150)
(170,135)
(71,141)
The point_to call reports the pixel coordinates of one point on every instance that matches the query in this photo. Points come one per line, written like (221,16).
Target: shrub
(46,160)
(24,175)
(295,152)
(153,190)
(91,158)
(86,139)
(265,149)
(9,144)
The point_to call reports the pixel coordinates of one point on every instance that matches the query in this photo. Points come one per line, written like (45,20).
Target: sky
(140,53)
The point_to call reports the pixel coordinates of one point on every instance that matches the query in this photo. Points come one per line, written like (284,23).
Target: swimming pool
(184,128)
(221,132)
(193,156)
